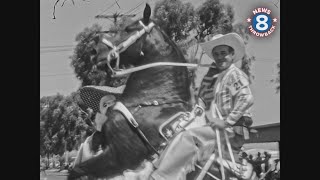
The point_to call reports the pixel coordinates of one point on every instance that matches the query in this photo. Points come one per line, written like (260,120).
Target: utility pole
(114,16)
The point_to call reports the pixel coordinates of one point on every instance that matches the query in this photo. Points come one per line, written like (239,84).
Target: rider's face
(223,56)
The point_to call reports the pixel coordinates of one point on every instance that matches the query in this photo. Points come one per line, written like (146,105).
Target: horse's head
(141,42)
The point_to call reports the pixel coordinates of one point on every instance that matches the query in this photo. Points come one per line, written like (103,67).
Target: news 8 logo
(261,22)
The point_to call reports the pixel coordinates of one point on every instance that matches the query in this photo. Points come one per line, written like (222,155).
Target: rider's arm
(243,101)
(243,98)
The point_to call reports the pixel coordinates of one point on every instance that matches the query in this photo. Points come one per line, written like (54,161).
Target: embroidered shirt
(206,87)
(230,92)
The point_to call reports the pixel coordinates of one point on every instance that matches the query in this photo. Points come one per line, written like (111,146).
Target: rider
(232,98)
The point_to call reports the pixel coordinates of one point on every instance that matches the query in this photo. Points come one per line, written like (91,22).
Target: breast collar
(119,106)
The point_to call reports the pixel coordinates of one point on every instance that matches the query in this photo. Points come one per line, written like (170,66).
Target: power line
(117,3)
(54,50)
(63,74)
(134,8)
(47,47)
(115,16)
(140,10)
(109,7)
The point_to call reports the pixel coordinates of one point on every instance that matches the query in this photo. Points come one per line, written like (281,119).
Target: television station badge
(261,23)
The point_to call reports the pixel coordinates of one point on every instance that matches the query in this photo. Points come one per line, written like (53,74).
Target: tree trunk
(53,161)
(66,153)
(48,163)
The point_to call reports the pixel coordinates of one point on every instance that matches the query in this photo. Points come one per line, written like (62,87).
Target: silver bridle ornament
(114,54)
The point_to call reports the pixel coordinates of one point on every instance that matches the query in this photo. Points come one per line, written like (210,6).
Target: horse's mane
(174,45)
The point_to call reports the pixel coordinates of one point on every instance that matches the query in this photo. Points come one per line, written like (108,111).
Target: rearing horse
(152,95)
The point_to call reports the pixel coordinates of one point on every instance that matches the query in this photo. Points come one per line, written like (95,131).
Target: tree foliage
(177,19)
(248,59)
(214,17)
(82,59)
(61,123)
(277,80)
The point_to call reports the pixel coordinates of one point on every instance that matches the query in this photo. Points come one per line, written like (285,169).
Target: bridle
(114,54)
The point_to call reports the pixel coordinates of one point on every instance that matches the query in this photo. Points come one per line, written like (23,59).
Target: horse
(152,95)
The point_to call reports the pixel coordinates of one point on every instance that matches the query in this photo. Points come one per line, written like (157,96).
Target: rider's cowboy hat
(231,39)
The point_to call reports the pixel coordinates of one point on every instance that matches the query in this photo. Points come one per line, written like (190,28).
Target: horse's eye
(93,52)
(127,29)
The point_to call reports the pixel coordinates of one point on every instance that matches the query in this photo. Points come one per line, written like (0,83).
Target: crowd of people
(263,168)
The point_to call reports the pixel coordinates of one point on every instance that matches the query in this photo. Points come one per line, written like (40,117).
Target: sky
(57,76)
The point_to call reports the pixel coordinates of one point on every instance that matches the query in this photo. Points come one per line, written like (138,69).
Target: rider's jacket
(230,91)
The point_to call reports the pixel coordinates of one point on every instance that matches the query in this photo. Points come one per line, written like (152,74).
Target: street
(52,174)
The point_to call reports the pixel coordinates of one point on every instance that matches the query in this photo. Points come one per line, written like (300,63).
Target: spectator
(250,160)
(275,172)
(257,164)
(251,157)
(259,158)
(266,161)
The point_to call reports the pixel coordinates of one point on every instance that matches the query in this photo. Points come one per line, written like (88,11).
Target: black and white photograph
(160,89)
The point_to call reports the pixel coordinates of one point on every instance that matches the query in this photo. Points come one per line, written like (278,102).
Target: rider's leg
(182,153)
(236,142)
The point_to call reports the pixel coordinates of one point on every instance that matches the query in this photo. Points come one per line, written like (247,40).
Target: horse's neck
(156,83)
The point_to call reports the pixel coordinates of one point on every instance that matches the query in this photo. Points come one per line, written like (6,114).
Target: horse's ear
(146,14)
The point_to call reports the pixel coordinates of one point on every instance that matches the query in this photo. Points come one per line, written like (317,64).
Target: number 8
(265,25)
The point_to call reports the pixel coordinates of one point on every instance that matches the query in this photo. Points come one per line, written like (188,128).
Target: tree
(82,61)
(214,18)
(48,125)
(277,80)
(246,63)
(73,125)
(177,19)
(61,124)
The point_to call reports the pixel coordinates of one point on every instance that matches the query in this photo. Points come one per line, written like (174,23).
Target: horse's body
(167,85)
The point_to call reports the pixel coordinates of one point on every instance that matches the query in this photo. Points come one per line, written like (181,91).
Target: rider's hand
(217,123)
(100,120)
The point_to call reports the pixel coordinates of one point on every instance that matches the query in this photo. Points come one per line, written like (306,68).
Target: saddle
(182,121)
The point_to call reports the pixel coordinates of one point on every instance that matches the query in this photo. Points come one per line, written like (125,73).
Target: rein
(116,50)
(119,73)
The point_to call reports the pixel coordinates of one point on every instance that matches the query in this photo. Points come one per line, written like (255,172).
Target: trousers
(190,147)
